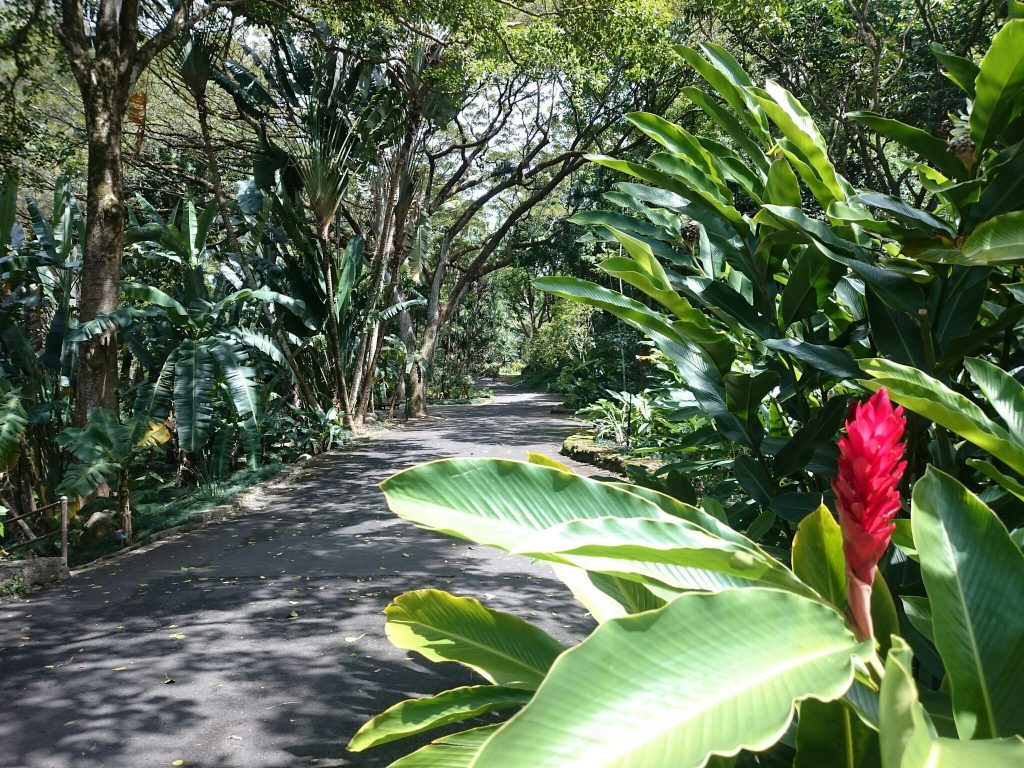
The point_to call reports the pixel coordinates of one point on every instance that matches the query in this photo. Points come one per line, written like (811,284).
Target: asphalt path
(259,642)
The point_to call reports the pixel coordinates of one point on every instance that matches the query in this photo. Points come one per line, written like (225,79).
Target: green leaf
(961,71)
(502,648)
(831,735)
(973,572)
(670,553)
(907,735)
(706,674)
(607,597)
(896,333)
(1004,481)
(745,391)
(729,83)
(999,240)
(1003,392)
(546,461)
(810,284)
(819,430)
(999,88)
(919,613)
(418,715)
(782,187)
(906,214)
(729,123)
(835,361)
(83,479)
(13,421)
(176,313)
(692,186)
(241,385)
(679,141)
(931,148)
(799,127)
(193,387)
(754,479)
(550,514)
(504,503)
(932,399)
(818,557)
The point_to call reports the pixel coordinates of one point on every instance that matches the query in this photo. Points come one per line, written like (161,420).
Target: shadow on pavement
(260,642)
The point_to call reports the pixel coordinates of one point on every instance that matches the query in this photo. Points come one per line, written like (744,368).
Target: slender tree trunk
(333,333)
(392,229)
(124,508)
(96,385)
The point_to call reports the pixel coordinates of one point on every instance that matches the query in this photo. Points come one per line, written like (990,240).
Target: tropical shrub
(108,453)
(194,342)
(39,271)
(764,276)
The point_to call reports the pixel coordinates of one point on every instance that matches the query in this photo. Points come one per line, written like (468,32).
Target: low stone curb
(583,448)
(32,572)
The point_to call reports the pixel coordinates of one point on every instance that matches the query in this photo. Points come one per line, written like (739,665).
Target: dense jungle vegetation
(240,231)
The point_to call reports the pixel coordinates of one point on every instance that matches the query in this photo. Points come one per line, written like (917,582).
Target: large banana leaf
(241,386)
(193,388)
(499,646)
(973,573)
(907,734)
(550,514)
(706,674)
(999,240)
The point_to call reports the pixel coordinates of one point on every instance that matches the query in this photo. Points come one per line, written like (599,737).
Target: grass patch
(175,507)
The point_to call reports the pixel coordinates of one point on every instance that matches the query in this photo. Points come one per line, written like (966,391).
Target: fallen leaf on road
(177,636)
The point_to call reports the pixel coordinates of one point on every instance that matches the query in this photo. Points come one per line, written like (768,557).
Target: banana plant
(108,452)
(764,274)
(197,344)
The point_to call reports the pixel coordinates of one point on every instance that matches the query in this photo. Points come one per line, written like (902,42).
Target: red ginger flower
(870,467)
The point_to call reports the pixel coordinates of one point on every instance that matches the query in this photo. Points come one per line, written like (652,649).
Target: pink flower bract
(867,496)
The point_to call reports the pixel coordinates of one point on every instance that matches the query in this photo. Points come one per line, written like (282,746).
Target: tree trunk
(96,386)
(123,507)
(417,390)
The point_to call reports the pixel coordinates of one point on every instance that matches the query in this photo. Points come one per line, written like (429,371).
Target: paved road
(190,651)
